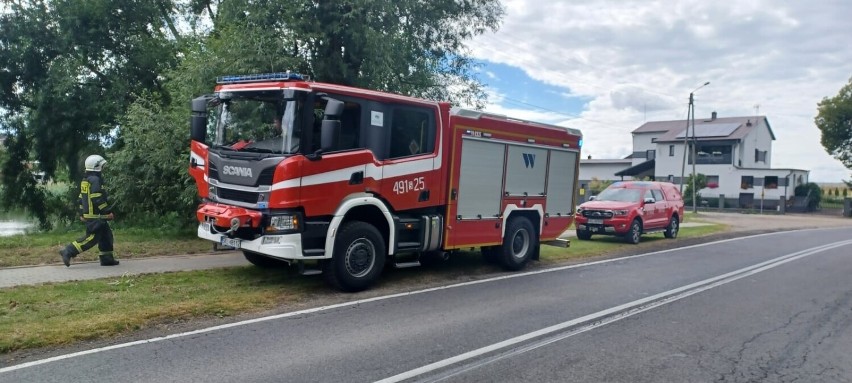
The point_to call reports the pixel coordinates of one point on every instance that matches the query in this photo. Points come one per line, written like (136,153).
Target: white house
(734,153)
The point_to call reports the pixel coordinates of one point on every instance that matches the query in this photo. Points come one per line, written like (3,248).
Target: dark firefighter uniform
(95,210)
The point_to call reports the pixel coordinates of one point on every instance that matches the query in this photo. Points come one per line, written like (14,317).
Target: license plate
(230,242)
(595,221)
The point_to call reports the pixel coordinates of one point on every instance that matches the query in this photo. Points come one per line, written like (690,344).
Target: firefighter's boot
(108,260)
(66,255)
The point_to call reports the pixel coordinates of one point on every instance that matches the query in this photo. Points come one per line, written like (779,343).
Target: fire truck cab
(341,180)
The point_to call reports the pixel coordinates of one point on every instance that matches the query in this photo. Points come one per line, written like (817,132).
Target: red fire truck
(341,180)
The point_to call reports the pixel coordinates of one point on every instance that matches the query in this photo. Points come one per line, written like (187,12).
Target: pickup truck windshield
(620,195)
(257,121)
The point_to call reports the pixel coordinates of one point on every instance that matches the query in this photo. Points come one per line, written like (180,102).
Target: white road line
(368,300)
(602,317)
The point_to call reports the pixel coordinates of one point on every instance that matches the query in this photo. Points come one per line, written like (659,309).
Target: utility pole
(690,116)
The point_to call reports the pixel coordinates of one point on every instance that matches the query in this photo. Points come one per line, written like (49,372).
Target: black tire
(263,261)
(584,235)
(519,244)
(358,259)
(635,233)
(672,228)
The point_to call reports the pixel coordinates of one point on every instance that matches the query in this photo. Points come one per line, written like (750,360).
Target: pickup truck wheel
(584,235)
(519,244)
(635,234)
(672,228)
(263,261)
(358,258)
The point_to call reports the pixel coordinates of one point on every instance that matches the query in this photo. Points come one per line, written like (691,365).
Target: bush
(812,191)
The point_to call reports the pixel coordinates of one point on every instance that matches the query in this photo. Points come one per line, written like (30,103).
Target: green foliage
(148,174)
(812,191)
(596,186)
(115,77)
(71,67)
(700,183)
(834,120)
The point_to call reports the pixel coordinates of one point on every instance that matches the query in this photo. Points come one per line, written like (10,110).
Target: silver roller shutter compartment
(560,187)
(481,179)
(526,170)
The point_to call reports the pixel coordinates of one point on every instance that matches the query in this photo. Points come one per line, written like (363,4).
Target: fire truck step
(306,271)
(313,252)
(405,265)
(409,245)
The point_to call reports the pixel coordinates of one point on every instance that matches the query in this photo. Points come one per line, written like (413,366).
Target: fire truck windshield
(256,121)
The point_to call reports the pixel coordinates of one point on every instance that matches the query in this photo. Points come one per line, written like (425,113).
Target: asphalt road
(775,307)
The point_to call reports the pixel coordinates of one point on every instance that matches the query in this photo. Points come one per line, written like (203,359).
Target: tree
(812,192)
(409,47)
(68,71)
(700,183)
(834,120)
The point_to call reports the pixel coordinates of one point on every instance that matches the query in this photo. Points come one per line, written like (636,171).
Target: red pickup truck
(630,209)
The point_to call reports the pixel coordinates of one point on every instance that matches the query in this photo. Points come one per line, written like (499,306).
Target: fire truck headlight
(281,223)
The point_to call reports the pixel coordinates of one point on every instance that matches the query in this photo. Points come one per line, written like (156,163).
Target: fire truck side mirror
(334,108)
(330,133)
(198,120)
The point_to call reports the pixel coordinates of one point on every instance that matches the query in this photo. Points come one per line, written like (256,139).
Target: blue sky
(521,91)
(618,63)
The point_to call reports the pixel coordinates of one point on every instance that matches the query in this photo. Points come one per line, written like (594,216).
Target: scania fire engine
(341,180)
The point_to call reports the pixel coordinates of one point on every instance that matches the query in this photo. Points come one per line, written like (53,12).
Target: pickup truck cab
(630,209)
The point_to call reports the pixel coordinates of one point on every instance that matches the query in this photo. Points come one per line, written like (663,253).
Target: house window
(651,154)
(671,150)
(713,154)
(760,156)
(712,182)
(747,182)
(770,182)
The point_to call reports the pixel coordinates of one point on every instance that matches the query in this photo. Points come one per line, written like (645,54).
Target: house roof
(637,169)
(735,127)
(604,161)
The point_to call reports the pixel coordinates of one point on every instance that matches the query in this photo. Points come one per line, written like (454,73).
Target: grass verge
(42,248)
(63,313)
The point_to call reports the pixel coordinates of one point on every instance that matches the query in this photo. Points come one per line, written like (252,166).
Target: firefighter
(96,212)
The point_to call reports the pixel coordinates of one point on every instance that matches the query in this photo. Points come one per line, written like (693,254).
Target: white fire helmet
(95,163)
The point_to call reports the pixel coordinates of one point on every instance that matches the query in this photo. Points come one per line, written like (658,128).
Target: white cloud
(638,60)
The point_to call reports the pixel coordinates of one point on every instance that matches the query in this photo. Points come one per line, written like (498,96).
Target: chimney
(712,116)
(590,156)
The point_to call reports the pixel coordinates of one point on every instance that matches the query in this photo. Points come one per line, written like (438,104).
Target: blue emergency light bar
(280,76)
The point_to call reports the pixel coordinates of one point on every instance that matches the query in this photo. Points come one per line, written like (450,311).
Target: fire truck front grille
(597,214)
(266,177)
(237,195)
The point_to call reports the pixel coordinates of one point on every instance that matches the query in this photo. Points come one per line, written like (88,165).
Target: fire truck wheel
(358,258)
(262,261)
(635,233)
(519,244)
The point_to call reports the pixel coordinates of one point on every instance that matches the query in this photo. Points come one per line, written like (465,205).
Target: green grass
(42,248)
(62,313)
(603,245)
(58,314)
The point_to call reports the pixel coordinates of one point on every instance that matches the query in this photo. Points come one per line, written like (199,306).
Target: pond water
(12,227)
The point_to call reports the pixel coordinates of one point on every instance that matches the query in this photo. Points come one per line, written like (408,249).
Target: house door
(746,200)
